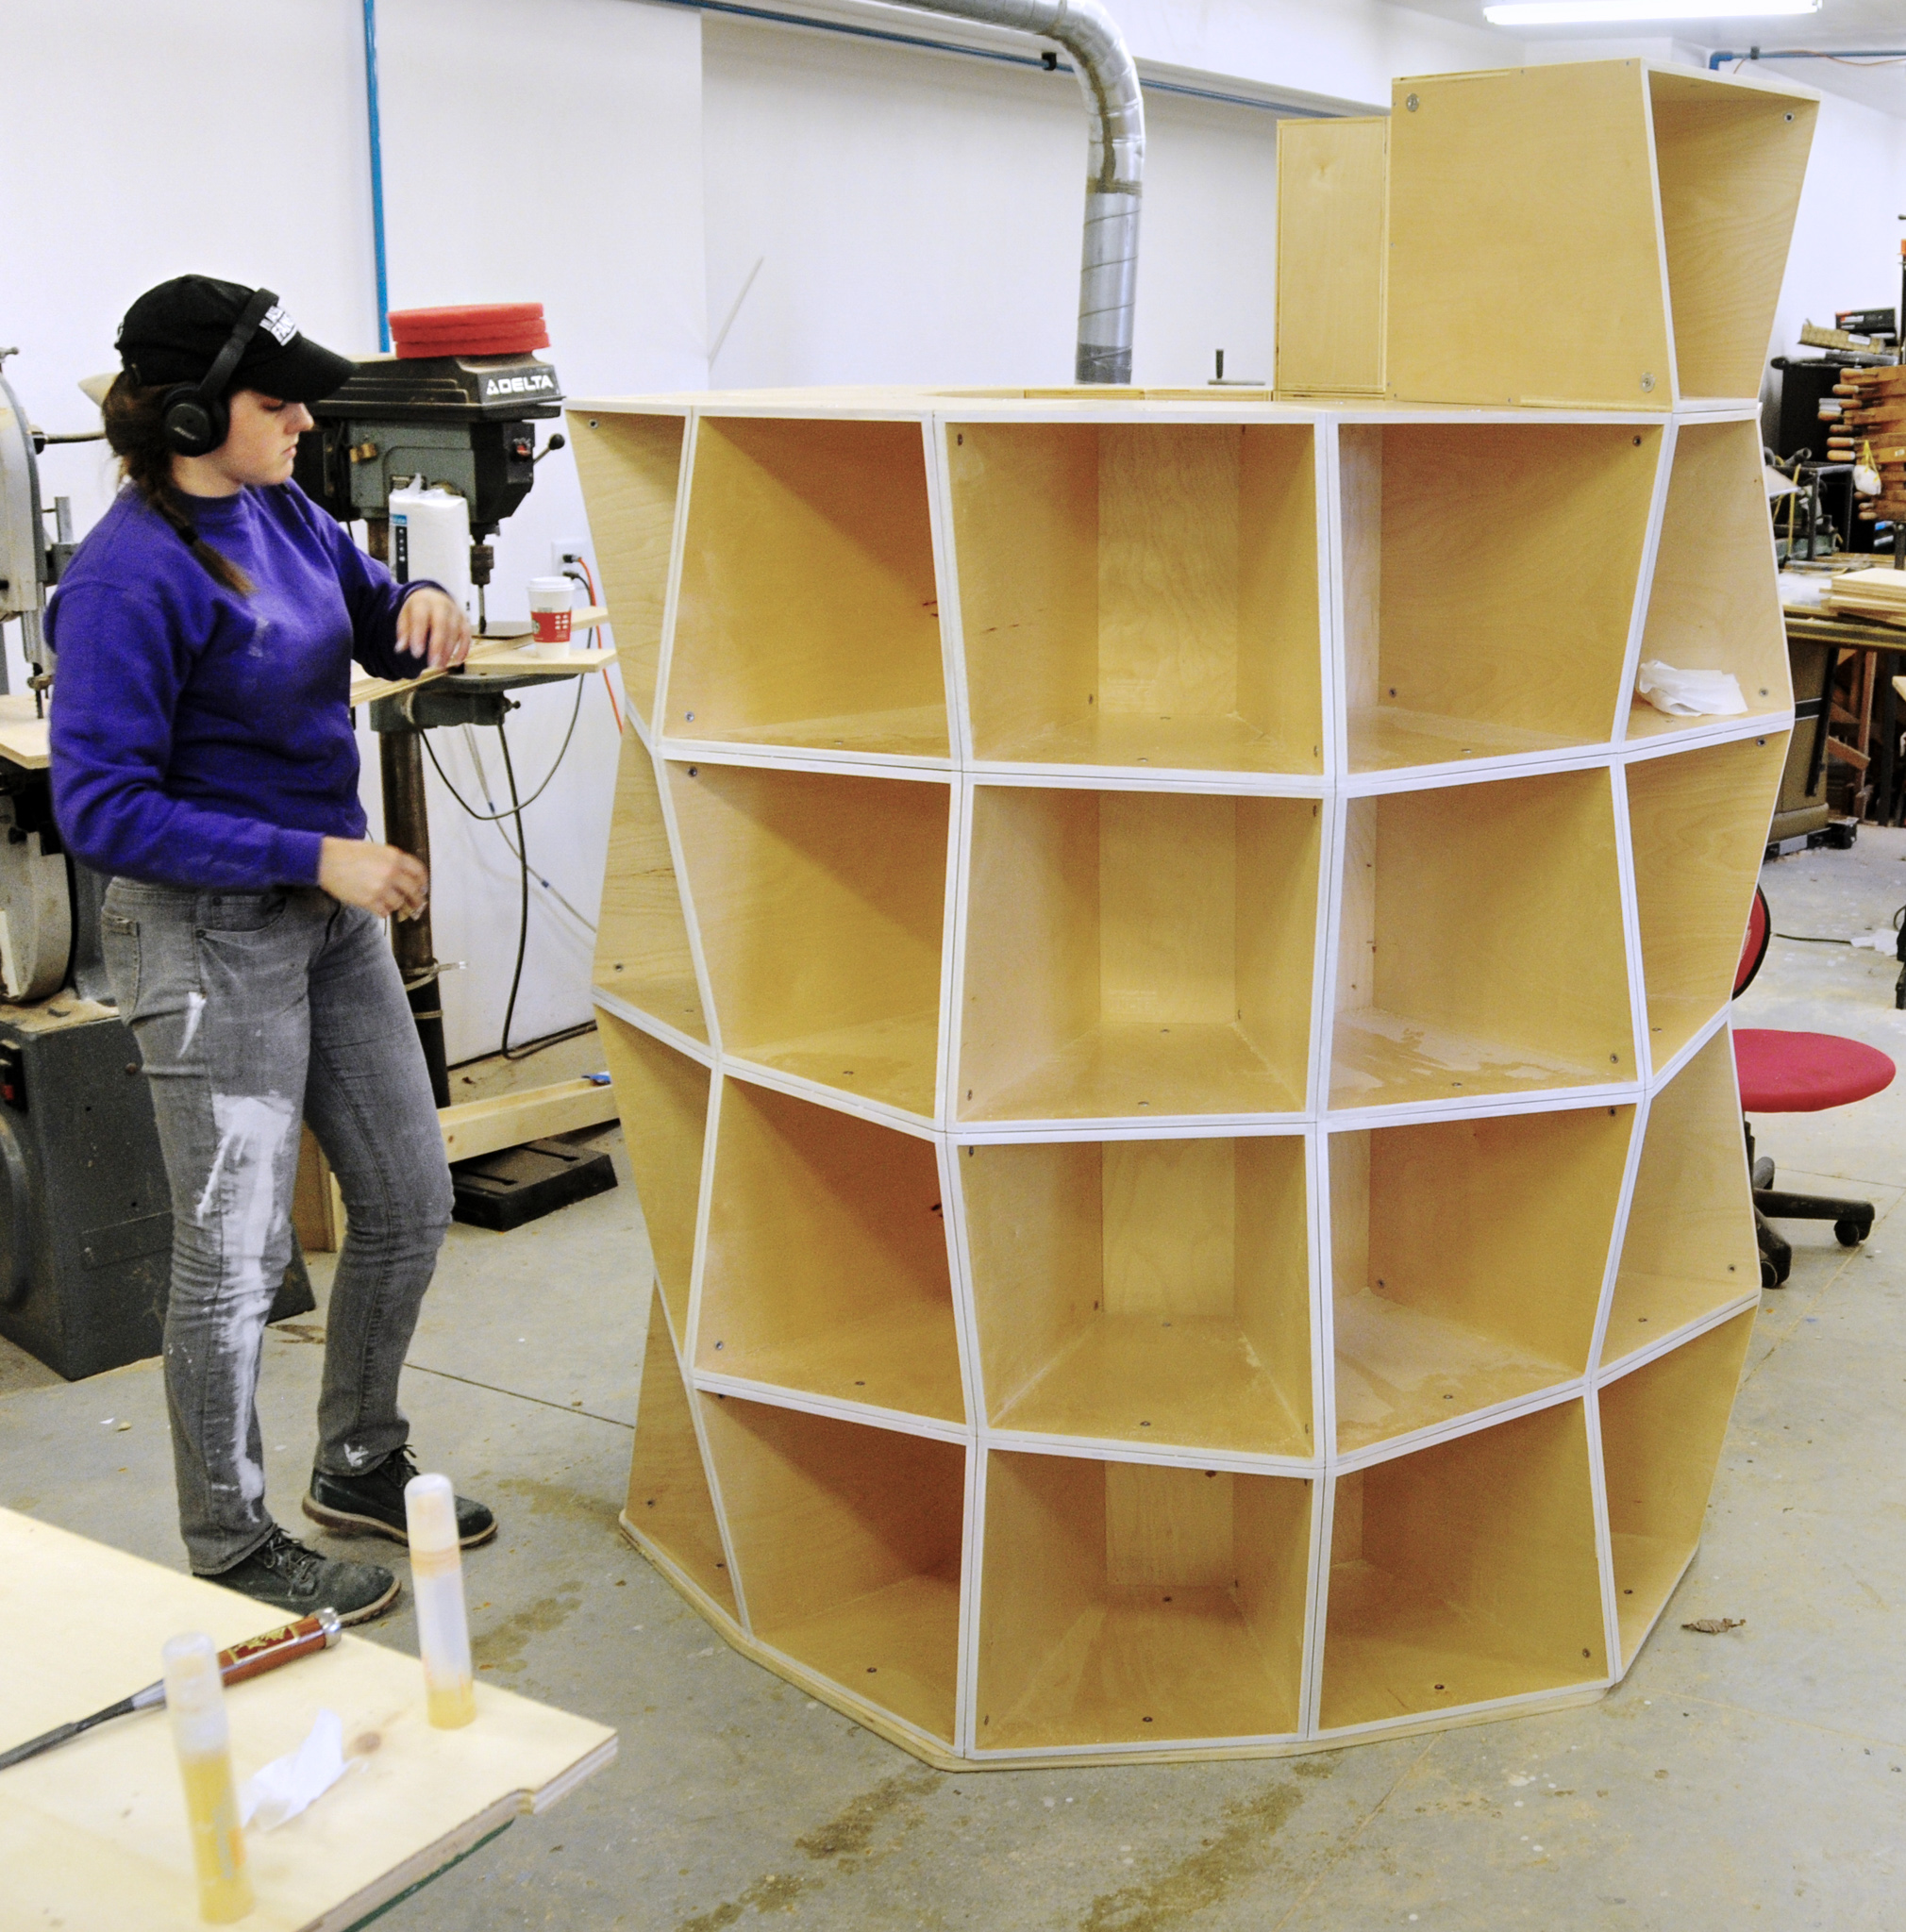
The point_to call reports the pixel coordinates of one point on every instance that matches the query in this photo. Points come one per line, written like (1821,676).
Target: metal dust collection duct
(1108,273)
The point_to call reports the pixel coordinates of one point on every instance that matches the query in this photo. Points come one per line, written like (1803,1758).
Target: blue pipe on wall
(377,173)
(1715,60)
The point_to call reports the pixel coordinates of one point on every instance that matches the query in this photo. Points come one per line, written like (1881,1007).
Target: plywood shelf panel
(821,900)
(669,1505)
(1662,1431)
(663,1098)
(809,612)
(1689,1247)
(1490,576)
(1450,899)
(1140,593)
(1133,953)
(1467,1260)
(1698,822)
(827,1264)
(641,945)
(1134,1603)
(1332,245)
(1462,1573)
(848,1540)
(630,468)
(1153,1291)
(1714,600)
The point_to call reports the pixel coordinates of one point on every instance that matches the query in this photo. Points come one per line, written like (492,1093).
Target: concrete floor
(1758,1777)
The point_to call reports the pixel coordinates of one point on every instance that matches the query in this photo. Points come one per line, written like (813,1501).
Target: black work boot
(300,1581)
(373,1503)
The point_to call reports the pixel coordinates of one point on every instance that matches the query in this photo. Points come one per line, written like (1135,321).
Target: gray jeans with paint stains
(252,1009)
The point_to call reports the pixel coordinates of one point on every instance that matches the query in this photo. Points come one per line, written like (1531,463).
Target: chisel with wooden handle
(251,1658)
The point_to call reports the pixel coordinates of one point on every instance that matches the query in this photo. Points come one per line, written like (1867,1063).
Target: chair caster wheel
(1763,1173)
(1850,1234)
(1769,1275)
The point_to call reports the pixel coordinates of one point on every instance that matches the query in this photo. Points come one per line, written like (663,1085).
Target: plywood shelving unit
(1451,897)
(1662,1426)
(1137,953)
(1169,1014)
(1140,593)
(1153,1291)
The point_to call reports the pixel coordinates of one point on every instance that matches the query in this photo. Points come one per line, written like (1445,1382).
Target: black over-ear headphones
(198,417)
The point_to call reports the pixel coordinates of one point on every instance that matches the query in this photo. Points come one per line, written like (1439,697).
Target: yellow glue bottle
(437,1576)
(194,1699)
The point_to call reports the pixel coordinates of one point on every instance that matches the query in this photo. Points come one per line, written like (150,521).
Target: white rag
(286,1785)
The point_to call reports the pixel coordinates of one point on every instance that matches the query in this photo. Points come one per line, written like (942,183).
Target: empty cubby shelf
(1463,1573)
(630,461)
(1134,955)
(642,946)
(827,1258)
(809,612)
(1469,1259)
(1697,822)
(663,1098)
(848,1540)
(821,901)
(669,1506)
(1152,1291)
(1689,1247)
(1490,576)
(1132,1604)
(1479,946)
(1661,1428)
(1140,593)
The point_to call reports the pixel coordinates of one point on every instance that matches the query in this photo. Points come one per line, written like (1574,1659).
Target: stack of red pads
(493,328)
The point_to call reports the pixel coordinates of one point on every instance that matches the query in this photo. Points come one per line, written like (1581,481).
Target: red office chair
(1797,1072)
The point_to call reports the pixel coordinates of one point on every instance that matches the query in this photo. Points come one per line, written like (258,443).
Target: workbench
(93,1835)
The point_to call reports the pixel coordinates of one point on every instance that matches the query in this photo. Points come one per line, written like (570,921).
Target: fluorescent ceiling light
(1617,12)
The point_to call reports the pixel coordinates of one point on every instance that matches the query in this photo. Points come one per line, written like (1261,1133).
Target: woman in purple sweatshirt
(202,756)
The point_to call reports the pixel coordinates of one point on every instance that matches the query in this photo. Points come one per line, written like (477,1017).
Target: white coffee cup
(551,601)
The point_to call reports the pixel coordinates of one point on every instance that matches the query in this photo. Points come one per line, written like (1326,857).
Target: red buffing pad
(494,328)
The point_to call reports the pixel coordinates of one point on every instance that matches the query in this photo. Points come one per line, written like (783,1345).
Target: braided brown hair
(135,430)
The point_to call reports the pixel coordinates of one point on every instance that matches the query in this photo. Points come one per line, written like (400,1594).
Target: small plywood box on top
(1606,234)
(1333,246)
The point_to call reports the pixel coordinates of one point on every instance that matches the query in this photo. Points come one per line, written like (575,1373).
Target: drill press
(456,405)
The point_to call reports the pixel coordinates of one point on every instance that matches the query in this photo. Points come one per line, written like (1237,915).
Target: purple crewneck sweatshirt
(200,737)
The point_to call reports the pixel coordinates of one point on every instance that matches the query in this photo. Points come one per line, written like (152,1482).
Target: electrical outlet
(565,551)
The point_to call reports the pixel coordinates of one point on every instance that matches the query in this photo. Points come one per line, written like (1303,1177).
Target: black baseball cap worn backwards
(173,333)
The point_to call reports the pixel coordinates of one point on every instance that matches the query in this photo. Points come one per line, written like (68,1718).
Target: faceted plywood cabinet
(1170,1015)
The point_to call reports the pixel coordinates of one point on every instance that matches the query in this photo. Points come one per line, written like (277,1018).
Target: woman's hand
(380,878)
(432,626)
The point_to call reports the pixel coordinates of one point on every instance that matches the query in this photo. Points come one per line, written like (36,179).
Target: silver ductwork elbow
(1108,273)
